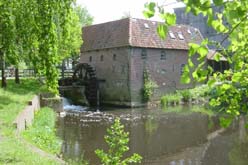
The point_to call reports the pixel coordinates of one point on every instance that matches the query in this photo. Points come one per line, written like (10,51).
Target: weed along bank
(122,51)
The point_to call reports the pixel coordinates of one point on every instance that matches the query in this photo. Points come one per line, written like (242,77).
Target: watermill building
(120,51)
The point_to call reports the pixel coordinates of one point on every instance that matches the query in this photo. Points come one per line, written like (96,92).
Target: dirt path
(37,150)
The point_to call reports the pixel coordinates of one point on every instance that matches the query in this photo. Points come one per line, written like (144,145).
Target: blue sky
(109,10)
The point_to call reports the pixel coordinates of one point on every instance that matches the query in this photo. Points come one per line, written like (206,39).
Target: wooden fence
(22,73)
(10,73)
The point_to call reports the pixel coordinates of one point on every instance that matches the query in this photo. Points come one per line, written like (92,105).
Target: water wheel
(85,75)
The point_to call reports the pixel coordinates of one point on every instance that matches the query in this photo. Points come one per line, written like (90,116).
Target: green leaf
(203,51)
(148,14)
(211,82)
(150,10)
(236,77)
(185,79)
(193,49)
(191,64)
(218,2)
(225,122)
(162,30)
(188,9)
(225,87)
(217,57)
(170,19)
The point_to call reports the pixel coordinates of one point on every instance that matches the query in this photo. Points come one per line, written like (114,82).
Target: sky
(109,10)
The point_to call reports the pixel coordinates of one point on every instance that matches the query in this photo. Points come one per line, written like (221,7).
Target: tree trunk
(4,82)
(17,78)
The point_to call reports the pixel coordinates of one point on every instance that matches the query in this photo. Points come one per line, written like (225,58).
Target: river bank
(12,100)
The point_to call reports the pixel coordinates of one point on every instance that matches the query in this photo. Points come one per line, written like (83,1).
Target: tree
(85,18)
(42,33)
(232,89)
(7,34)
(70,48)
(117,140)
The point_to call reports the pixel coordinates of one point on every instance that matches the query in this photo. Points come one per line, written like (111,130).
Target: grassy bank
(42,132)
(195,95)
(12,101)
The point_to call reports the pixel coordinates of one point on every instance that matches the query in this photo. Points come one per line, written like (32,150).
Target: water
(160,137)
(69,107)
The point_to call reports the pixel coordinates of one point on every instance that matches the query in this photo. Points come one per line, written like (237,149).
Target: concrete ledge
(48,100)
(26,116)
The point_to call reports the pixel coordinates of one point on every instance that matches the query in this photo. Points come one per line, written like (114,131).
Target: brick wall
(166,72)
(124,72)
(113,66)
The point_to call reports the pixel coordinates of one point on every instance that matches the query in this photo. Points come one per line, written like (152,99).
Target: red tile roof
(136,33)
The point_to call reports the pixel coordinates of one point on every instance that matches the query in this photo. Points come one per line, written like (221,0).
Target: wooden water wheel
(85,75)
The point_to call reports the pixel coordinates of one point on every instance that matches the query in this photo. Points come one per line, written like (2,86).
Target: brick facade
(123,68)
(112,65)
(121,50)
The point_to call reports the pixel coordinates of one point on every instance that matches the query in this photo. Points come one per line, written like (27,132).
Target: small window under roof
(146,25)
(172,36)
(180,36)
(189,31)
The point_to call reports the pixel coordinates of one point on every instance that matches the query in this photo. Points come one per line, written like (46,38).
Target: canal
(176,136)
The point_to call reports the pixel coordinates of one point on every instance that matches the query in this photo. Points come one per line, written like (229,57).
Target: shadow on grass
(26,86)
(4,100)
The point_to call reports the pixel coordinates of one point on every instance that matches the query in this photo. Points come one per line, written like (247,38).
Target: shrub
(186,95)
(164,101)
(149,86)
(117,140)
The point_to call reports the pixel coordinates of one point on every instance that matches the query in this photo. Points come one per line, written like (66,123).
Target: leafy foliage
(169,18)
(232,89)
(41,33)
(117,140)
(85,18)
(149,86)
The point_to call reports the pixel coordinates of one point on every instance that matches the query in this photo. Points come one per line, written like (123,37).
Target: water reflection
(160,137)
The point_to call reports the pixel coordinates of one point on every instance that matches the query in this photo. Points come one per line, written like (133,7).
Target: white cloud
(109,10)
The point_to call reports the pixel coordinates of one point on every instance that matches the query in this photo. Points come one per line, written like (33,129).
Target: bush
(149,86)
(164,101)
(117,141)
(186,95)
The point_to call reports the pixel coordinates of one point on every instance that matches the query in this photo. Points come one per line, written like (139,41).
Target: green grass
(188,110)
(14,151)
(42,132)
(12,101)
(15,98)
(199,93)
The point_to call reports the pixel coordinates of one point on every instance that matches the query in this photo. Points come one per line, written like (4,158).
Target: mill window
(143,54)
(163,55)
(114,57)
(101,58)
(182,69)
(90,59)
